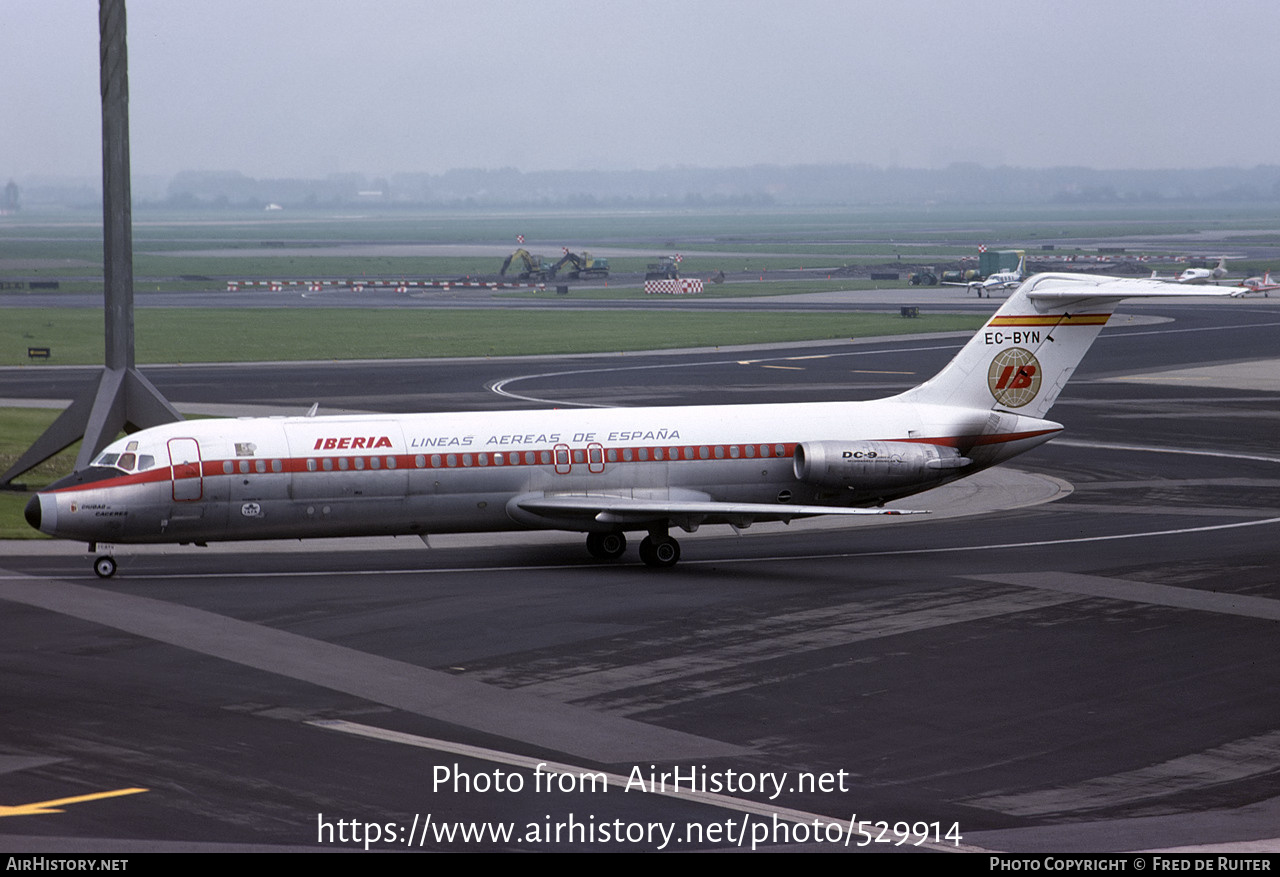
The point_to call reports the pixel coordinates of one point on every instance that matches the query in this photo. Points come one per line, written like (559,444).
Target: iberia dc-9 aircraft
(604,472)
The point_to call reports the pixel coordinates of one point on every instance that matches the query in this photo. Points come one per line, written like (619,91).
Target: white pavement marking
(1153,449)
(1221,602)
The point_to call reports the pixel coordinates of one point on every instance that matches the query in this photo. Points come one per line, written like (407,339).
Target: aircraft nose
(32,511)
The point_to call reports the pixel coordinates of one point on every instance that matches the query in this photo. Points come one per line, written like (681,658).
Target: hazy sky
(287,88)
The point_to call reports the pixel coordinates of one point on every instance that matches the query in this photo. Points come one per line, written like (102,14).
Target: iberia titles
(352,442)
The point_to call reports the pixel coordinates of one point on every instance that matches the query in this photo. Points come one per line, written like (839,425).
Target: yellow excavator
(584,266)
(535,267)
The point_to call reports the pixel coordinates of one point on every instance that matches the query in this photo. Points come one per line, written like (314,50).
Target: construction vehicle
(924,277)
(535,267)
(664,269)
(962,277)
(584,266)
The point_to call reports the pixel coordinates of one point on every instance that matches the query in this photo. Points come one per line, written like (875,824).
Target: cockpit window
(128,462)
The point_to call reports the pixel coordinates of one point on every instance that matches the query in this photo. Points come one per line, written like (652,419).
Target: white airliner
(998,280)
(604,472)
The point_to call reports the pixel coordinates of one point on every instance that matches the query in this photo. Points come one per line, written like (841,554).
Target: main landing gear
(657,550)
(606,546)
(105,566)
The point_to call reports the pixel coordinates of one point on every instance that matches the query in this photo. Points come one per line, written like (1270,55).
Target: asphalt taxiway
(1089,673)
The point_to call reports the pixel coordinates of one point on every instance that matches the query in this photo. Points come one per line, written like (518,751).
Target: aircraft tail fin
(1025,354)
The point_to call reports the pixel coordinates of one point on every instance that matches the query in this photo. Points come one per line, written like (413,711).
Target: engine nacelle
(875,466)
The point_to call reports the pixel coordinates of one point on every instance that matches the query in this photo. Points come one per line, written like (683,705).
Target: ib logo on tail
(1014,377)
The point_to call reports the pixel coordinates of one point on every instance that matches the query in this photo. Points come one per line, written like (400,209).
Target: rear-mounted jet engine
(876,469)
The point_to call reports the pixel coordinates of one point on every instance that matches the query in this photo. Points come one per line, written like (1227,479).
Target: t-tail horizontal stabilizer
(1025,354)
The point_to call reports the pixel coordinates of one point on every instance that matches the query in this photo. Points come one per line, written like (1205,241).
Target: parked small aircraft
(996,281)
(604,471)
(1263,284)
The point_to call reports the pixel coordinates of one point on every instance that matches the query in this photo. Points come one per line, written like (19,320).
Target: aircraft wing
(686,514)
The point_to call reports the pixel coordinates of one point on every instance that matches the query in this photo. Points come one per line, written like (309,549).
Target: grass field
(223,335)
(19,427)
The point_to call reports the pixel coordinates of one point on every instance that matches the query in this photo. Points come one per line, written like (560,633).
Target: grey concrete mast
(123,399)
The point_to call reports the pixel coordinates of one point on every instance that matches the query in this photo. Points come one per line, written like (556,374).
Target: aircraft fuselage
(213,480)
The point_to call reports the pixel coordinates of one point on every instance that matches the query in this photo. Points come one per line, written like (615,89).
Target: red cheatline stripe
(471,459)
(961,440)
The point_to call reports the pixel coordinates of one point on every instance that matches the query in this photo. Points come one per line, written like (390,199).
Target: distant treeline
(759,185)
